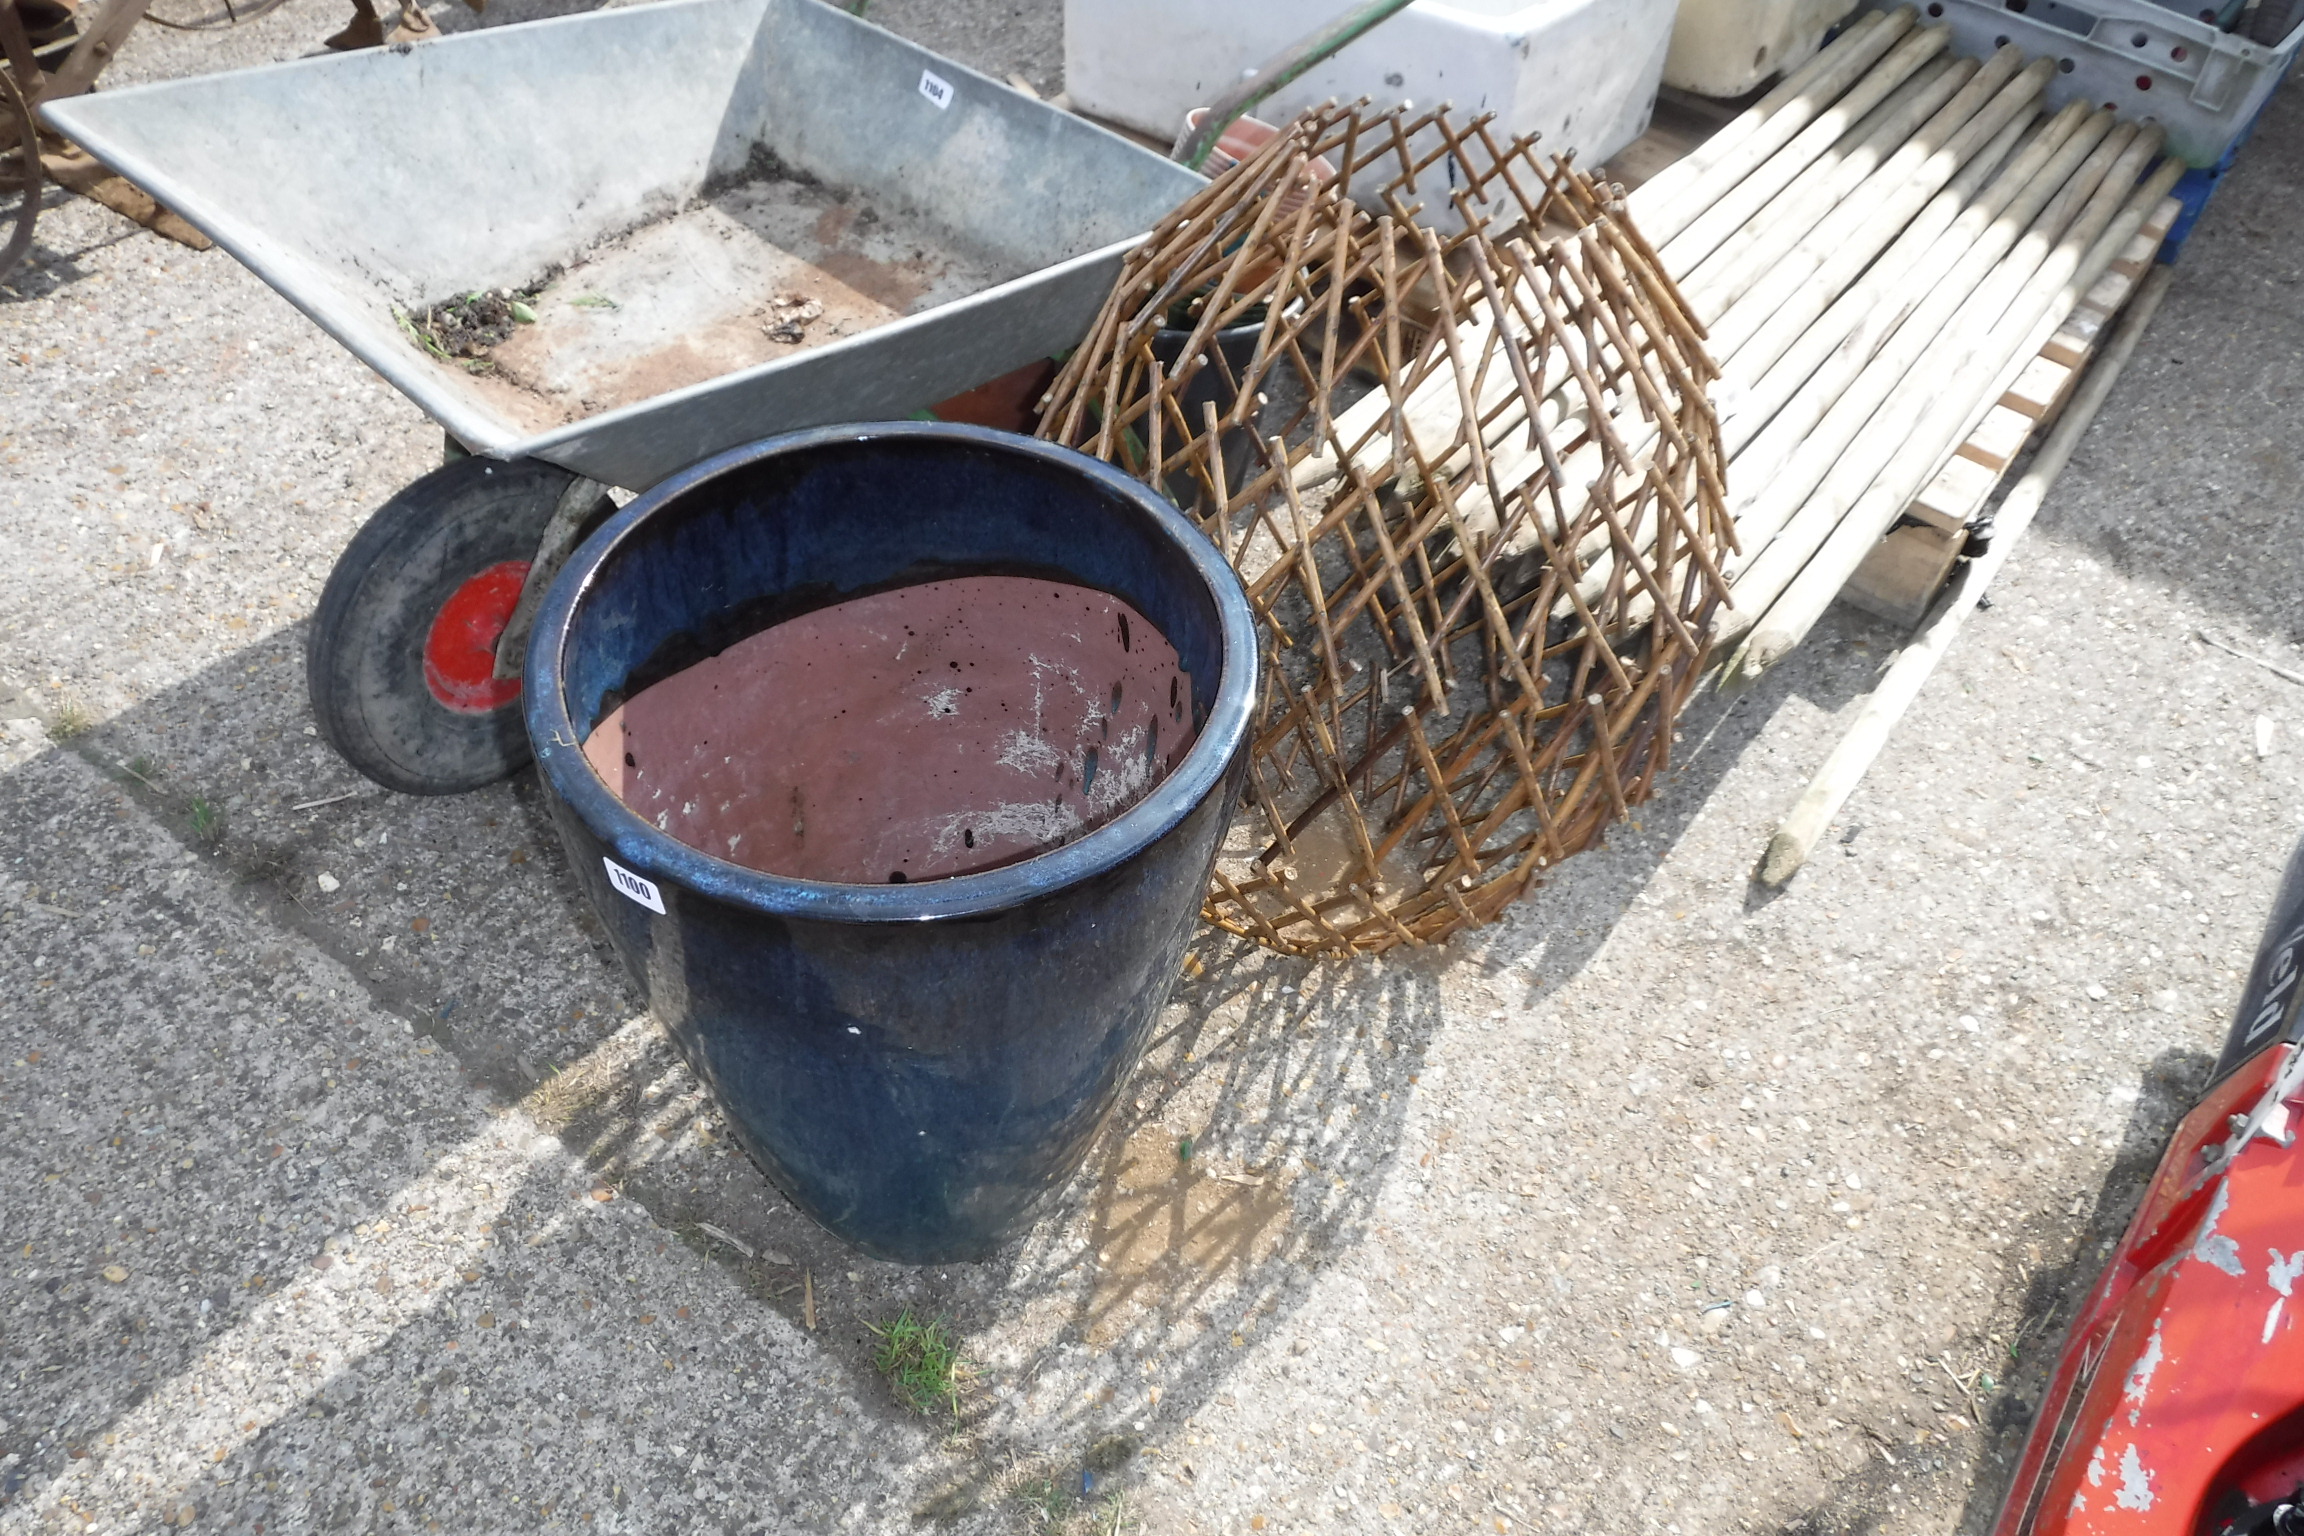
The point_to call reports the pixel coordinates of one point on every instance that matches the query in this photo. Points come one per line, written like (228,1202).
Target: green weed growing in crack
(922,1362)
(207,820)
(72,719)
(1048,1500)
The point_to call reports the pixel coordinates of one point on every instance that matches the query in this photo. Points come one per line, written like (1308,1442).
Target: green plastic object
(1283,67)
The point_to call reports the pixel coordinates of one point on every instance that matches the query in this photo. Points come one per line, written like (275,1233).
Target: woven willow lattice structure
(1461,454)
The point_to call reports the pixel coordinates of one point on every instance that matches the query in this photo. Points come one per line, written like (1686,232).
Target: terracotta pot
(917,1065)
(1242,137)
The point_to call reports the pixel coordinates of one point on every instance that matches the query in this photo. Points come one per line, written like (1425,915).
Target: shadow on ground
(2191,475)
(62,236)
(2051,1289)
(1128,1304)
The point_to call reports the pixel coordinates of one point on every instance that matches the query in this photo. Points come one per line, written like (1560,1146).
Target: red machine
(2177,1406)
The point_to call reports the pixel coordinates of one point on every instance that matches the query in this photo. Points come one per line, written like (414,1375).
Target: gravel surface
(1662,1205)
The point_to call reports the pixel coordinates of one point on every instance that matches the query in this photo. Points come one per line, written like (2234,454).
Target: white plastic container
(1582,73)
(1726,47)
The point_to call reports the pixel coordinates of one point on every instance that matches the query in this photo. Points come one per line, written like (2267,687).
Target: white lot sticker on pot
(936,88)
(641,891)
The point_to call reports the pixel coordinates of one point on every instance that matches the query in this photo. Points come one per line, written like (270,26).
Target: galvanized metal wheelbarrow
(709,221)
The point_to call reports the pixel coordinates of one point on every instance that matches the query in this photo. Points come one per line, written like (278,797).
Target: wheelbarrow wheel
(402,652)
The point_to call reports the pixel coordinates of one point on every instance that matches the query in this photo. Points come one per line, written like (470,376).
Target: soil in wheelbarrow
(765,265)
(471,325)
(921,732)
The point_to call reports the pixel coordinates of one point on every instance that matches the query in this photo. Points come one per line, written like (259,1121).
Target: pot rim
(648,851)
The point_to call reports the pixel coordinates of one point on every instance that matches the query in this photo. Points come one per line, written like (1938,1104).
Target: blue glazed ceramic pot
(915,1065)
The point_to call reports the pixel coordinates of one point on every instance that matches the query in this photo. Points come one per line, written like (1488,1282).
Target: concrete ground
(348,1186)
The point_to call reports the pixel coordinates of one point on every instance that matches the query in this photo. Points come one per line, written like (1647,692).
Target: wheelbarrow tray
(676,185)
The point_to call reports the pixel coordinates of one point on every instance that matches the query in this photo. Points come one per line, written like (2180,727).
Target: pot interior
(734,618)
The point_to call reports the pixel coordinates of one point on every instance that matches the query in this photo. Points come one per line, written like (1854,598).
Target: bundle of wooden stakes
(1878,249)
(1462,453)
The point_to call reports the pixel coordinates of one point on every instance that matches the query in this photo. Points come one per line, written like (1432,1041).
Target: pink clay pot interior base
(927,731)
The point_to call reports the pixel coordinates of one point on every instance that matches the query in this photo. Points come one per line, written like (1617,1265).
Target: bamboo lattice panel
(1460,451)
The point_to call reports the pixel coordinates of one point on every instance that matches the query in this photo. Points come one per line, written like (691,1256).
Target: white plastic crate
(2146,61)
(1728,47)
(1582,73)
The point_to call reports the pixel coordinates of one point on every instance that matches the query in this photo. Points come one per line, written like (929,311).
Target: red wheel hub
(460,652)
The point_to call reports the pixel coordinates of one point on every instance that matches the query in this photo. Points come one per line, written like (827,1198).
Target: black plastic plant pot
(916,1065)
(1215,383)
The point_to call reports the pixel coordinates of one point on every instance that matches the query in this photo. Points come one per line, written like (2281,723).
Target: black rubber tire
(2274,20)
(2269,1009)
(364,658)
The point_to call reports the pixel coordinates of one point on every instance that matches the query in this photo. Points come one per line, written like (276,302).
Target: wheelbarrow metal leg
(16,121)
(561,536)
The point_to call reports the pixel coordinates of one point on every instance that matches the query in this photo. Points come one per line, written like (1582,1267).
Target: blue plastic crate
(2194,188)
